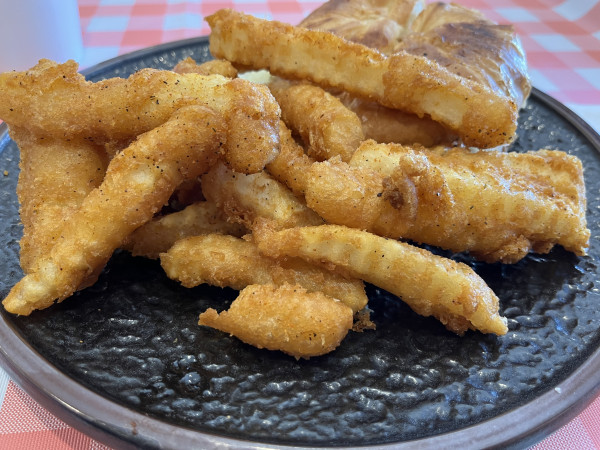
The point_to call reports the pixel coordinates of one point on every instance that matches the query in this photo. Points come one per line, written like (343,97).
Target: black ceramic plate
(126,362)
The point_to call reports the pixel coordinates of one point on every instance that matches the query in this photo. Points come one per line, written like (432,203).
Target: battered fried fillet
(379,24)
(159,235)
(138,182)
(496,205)
(244,198)
(55,176)
(413,83)
(287,318)
(291,163)
(325,125)
(213,67)
(431,285)
(227,261)
(388,125)
(55,100)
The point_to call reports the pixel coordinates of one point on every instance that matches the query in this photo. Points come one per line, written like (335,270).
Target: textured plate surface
(131,343)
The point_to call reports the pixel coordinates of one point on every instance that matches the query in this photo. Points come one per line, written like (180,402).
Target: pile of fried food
(374,126)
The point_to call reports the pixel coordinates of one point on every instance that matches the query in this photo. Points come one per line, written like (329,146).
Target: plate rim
(120,426)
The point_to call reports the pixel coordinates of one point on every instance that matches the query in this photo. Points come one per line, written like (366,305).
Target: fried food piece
(244,198)
(55,176)
(325,125)
(431,285)
(374,23)
(159,235)
(55,100)
(227,261)
(287,318)
(138,182)
(496,205)
(213,67)
(353,197)
(388,125)
(477,114)
(291,163)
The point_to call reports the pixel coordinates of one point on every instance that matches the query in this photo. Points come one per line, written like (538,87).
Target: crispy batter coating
(496,205)
(244,198)
(287,318)
(325,125)
(291,163)
(213,67)
(353,197)
(55,176)
(388,125)
(55,100)
(138,182)
(431,285)
(414,83)
(227,261)
(159,235)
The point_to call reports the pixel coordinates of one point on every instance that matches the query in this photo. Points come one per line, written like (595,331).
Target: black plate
(126,362)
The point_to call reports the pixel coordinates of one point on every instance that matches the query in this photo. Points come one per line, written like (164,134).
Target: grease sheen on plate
(133,337)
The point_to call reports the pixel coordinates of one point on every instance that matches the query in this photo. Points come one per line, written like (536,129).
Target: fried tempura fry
(431,285)
(213,67)
(326,126)
(388,125)
(286,318)
(227,261)
(247,197)
(55,176)
(291,163)
(496,205)
(159,235)
(138,182)
(55,100)
(477,114)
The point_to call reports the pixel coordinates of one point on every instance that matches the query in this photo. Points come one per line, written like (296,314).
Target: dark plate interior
(129,347)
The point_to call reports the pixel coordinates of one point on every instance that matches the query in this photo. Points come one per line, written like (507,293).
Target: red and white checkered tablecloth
(562,40)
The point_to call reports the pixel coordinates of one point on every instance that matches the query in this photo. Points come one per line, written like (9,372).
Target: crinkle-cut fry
(244,198)
(55,100)
(286,318)
(478,115)
(159,235)
(213,67)
(496,205)
(431,285)
(227,261)
(138,182)
(325,125)
(291,163)
(388,125)
(55,176)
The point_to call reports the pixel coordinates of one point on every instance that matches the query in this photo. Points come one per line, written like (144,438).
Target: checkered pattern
(562,40)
